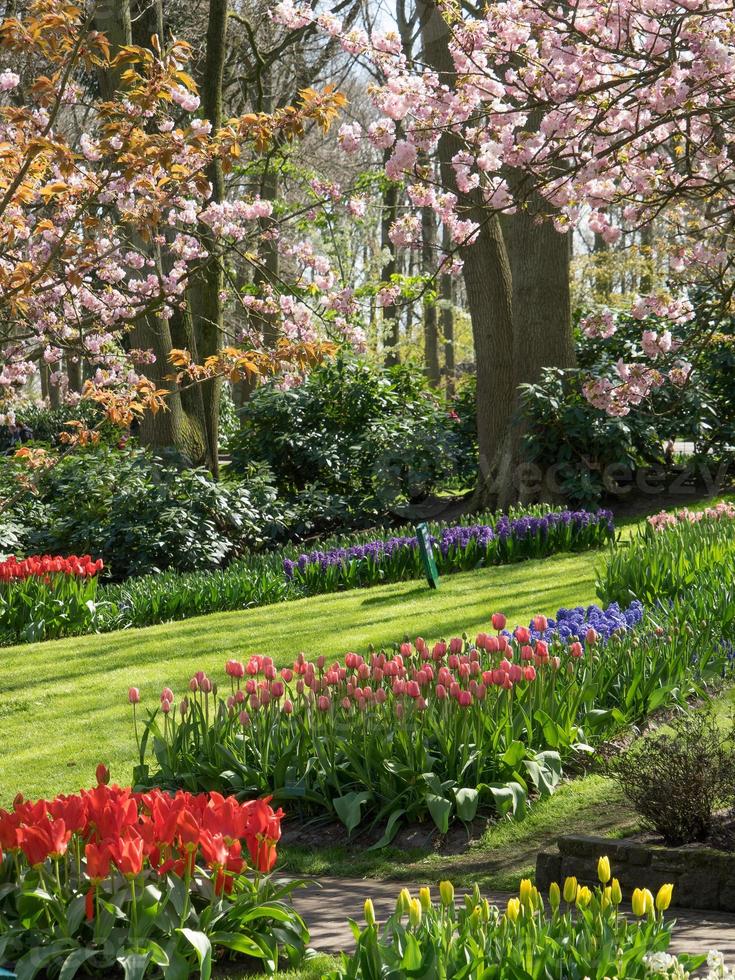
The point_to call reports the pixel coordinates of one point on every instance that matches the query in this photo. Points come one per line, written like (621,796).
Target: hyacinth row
(665,519)
(45,566)
(110,878)
(457,547)
(424,729)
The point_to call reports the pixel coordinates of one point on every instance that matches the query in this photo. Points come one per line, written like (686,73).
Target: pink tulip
(498,621)
(413,690)
(206,685)
(244,719)
(287,706)
(555,663)
(481,692)
(481,640)
(345,704)
(526,653)
(464,699)
(234,668)
(540,624)
(167,694)
(499,676)
(165,707)
(575,650)
(231,701)
(277,689)
(323,702)
(529,673)
(287,675)
(590,637)
(254,702)
(522,634)
(194,684)
(320,661)
(380,695)
(456,644)
(441,692)
(133,695)
(492,644)
(515,673)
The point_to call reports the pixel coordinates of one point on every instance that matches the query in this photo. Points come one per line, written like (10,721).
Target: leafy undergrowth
(498,860)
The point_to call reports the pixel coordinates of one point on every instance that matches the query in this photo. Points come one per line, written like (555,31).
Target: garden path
(327,908)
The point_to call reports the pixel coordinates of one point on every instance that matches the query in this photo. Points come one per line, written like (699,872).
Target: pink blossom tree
(598,107)
(109,221)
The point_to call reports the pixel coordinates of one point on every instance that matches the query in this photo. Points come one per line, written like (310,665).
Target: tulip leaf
(349,808)
(203,949)
(466,800)
(440,809)
(74,961)
(391,828)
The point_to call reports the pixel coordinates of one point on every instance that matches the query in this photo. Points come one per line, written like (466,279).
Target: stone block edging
(703,878)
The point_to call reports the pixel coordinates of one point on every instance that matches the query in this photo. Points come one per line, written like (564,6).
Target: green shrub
(677,781)
(47,424)
(351,443)
(142,515)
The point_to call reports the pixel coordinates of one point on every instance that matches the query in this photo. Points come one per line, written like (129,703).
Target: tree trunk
(390,324)
(447,320)
(74,372)
(112,18)
(488,284)
(182,425)
(431,325)
(207,285)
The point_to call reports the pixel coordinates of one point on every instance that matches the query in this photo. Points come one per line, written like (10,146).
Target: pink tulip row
(458,670)
(720,512)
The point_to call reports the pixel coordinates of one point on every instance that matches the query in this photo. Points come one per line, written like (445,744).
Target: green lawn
(63,704)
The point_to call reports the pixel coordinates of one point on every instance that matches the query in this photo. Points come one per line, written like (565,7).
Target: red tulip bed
(422,731)
(111,882)
(44,597)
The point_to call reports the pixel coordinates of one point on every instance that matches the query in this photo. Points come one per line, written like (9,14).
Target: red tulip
(127,854)
(498,621)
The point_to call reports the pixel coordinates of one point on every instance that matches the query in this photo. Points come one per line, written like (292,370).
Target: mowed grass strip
(63,704)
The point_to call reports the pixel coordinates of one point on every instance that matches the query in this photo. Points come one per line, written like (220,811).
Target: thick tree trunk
(112,18)
(182,426)
(488,284)
(542,336)
(431,319)
(447,320)
(390,325)
(205,292)
(74,372)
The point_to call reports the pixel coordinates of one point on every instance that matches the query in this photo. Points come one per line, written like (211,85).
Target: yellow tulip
(606,899)
(404,901)
(514,909)
(554,895)
(638,902)
(525,892)
(570,889)
(446,892)
(663,898)
(369,912)
(603,870)
(648,895)
(617,894)
(425,898)
(584,897)
(414,913)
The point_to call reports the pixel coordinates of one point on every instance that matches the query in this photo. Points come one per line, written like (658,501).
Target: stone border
(703,878)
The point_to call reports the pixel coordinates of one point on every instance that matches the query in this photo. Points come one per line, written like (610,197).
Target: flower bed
(110,880)
(582,934)
(657,567)
(421,731)
(665,519)
(457,547)
(44,597)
